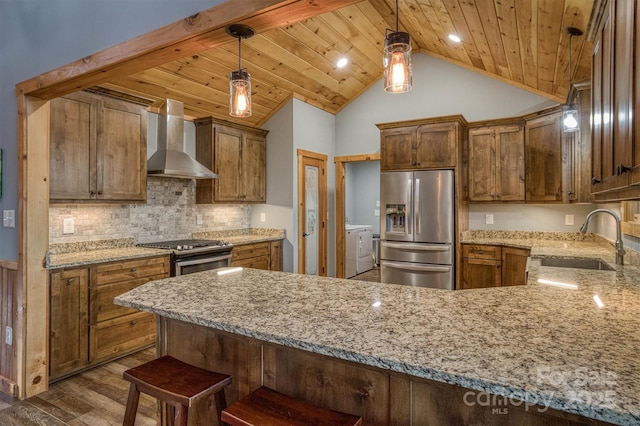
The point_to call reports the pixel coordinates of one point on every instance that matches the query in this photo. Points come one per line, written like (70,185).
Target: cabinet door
(543,153)
(227,156)
(276,255)
(607,164)
(121,151)
(480,273)
(482,164)
(436,146)
(397,148)
(73,150)
(69,332)
(253,169)
(509,179)
(514,266)
(596,116)
(635,174)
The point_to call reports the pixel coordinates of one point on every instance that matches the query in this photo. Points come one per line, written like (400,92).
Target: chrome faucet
(618,245)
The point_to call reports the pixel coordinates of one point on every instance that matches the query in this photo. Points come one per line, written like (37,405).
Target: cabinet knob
(572,193)
(92,192)
(134,322)
(71,280)
(134,269)
(595,180)
(99,192)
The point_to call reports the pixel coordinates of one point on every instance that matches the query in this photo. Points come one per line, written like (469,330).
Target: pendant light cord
(570,37)
(396,15)
(240,53)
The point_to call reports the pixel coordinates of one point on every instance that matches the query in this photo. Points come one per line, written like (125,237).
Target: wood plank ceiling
(522,42)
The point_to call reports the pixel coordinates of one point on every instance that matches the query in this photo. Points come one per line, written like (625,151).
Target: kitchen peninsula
(403,355)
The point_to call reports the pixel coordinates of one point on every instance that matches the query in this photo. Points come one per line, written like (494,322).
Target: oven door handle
(205,260)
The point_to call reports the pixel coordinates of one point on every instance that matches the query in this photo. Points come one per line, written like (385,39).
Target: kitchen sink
(596,264)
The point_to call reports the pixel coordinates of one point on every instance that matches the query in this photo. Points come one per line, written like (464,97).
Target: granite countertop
(86,253)
(545,344)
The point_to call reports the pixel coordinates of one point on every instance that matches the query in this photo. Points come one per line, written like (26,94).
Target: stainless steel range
(189,256)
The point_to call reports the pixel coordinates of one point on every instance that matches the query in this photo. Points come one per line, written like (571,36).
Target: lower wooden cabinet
(263,255)
(86,327)
(493,266)
(69,312)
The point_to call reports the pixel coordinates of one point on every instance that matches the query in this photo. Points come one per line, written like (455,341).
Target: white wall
(363,193)
(529,217)
(439,88)
(37,36)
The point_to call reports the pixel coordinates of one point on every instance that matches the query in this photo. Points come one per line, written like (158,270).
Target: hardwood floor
(371,275)
(95,397)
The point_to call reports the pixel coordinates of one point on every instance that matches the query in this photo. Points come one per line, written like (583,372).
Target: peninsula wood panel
(8,283)
(380,396)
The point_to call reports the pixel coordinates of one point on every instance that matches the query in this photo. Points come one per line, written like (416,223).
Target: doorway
(312,213)
(341,218)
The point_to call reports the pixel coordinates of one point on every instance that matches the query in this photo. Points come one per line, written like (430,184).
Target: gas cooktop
(189,244)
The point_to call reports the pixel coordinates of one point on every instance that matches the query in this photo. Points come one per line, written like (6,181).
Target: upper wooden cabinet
(546,159)
(238,155)
(496,162)
(615,96)
(579,175)
(421,144)
(98,149)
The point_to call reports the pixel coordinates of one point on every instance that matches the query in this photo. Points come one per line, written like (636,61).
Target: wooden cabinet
(98,149)
(115,330)
(493,266)
(579,174)
(263,255)
(546,158)
(616,74)
(238,155)
(276,255)
(496,162)
(68,316)
(87,328)
(421,144)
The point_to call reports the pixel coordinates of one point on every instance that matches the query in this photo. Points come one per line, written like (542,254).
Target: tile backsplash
(170,213)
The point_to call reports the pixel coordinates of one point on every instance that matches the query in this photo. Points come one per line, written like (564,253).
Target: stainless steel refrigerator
(417,229)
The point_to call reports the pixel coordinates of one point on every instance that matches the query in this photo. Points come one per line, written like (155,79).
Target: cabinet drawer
(101,306)
(262,262)
(113,338)
(250,250)
(478,251)
(130,270)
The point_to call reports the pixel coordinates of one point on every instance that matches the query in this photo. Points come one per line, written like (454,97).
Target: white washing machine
(359,250)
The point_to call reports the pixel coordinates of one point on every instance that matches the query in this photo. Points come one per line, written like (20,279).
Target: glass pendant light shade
(240,93)
(570,118)
(398,74)
(240,80)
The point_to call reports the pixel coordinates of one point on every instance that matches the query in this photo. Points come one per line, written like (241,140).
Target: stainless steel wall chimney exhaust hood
(170,160)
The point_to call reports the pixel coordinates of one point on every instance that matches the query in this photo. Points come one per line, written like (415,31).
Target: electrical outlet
(68,225)
(8,339)
(376,212)
(568,219)
(488,218)
(263,217)
(377,203)
(198,219)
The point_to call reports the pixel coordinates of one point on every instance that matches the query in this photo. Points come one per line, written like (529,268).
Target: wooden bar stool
(176,383)
(266,407)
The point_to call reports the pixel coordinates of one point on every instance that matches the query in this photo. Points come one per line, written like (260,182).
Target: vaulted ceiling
(521,42)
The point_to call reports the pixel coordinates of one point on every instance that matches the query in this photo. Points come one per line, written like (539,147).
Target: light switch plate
(198,219)
(376,212)
(68,225)
(9,218)
(263,217)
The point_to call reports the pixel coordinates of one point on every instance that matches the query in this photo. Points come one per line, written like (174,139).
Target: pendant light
(398,74)
(240,80)
(570,121)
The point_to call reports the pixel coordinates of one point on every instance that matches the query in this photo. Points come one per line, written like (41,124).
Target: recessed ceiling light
(342,62)
(455,38)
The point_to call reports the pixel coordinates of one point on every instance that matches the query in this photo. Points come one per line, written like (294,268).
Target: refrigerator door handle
(409,210)
(414,267)
(418,206)
(414,247)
